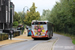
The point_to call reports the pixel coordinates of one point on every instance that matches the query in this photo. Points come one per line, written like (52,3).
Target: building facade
(6,14)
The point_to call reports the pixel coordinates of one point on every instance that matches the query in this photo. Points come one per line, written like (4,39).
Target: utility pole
(11,19)
(24,11)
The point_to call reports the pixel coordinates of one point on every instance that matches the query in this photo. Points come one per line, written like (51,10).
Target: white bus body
(41,29)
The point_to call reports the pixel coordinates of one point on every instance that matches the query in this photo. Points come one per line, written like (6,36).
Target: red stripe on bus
(32,33)
(46,32)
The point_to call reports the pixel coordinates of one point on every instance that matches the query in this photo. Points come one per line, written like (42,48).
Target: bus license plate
(39,36)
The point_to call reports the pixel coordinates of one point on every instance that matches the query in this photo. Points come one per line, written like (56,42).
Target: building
(6,14)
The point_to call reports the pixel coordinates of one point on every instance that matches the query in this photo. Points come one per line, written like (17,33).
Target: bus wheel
(34,38)
(50,37)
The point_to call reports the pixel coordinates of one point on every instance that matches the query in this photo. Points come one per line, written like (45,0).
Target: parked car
(20,27)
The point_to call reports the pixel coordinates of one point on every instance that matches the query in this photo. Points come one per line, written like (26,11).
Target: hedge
(16,33)
(4,36)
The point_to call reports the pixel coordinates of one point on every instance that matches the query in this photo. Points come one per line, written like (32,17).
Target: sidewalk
(45,45)
(15,40)
(20,38)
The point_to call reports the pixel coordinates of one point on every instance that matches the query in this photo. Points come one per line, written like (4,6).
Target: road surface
(25,45)
(62,42)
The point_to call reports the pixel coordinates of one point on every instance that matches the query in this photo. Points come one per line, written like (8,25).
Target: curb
(35,46)
(51,47)
(54,43)
(12,43)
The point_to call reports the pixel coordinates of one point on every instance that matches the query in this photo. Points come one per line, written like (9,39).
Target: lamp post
(24,9)
(11,19)
(24,14)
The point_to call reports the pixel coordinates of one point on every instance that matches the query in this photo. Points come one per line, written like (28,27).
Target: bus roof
(39,21)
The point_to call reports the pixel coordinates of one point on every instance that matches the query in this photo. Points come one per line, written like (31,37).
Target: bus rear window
(38,23)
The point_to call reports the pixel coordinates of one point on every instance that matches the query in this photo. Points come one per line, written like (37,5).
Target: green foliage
(32,15)
(17,18)
(45,15)
(15,23)
(3,36)
(73,41)
(63,16)
(16,33)
(22,17)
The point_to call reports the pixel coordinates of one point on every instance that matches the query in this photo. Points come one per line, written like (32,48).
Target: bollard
(11,33)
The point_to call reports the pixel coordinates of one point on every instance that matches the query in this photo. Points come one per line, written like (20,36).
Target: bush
(3,36)
(16,33)
(15,23)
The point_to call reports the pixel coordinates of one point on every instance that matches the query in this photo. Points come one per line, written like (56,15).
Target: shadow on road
(35,39)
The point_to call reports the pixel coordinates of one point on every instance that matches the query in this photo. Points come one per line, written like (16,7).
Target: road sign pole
(11,27)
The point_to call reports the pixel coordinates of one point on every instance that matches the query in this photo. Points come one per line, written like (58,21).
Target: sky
(40,4)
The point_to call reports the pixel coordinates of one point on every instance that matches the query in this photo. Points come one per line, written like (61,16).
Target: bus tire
(50,37)
(34,38)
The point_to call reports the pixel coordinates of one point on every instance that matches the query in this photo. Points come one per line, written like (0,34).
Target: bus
(41,29)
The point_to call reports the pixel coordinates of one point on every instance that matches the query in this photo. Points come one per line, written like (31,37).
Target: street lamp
(24,15)
(11,19)
(24,10)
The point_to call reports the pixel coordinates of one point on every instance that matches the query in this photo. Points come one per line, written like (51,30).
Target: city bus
(41,29)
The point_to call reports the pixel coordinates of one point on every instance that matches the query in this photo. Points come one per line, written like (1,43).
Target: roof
(39,21)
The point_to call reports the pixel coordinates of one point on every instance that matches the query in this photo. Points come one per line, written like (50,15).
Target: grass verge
(68,35)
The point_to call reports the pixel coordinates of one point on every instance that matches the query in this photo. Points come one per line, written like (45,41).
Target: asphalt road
(63,43)
(25,45)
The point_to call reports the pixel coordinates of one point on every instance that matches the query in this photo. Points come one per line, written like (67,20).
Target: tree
(15,23)
(63,16)
(45,15)
(32,15)
(16,19)
(22,17)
